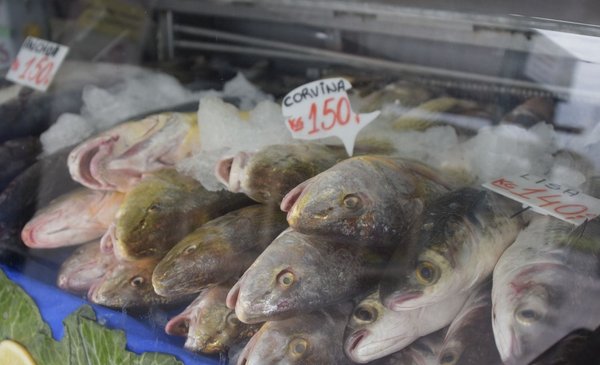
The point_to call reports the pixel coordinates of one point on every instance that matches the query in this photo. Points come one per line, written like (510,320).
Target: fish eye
(154,208)
(448,359)
(427,273)
(137,281)
(232,319)
(188,250)
(527,316)
(285,278)
(298,347)
(352,201)
(365,313)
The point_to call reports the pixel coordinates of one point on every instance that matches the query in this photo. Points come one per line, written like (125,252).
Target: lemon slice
(12,353)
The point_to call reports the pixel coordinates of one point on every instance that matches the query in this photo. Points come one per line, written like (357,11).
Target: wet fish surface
(118,158)
(460,238)
(220,250)
(545,285)
(210,327)
(577,348)
(85,266)
(374,331)
(298,273)
(307,339)
(73,218)
(162,209)
(370,200)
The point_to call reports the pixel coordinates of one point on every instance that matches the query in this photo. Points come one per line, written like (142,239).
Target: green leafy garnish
(85,342)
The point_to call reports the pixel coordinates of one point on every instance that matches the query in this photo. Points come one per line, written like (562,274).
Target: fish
(32,112)
(545,285)
(271,172)
(219,250)
(369,200)
(400,94)
(162,209)
(209,325)
(459,240)
(530,112)
(424,351)
(306,339)
(83,267)
(76,217)
(375,331)
(16,156)
(440,111)
(128,284)
(268,174)
(118,158)
(298,273)
(579,347)
(469,340)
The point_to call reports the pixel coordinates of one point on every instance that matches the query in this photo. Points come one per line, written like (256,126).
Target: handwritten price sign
(322,109)
(548,198)
(37,62)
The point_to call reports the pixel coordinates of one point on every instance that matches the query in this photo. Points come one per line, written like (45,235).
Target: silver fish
(460,238)
(84,267)
(545,285)
(374,331)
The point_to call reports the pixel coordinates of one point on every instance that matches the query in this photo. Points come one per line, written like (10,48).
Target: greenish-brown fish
(370,199)
(219,250)
(298,273)
(307,339)
(209,325)
(162,209)
(267,175)
(128,284)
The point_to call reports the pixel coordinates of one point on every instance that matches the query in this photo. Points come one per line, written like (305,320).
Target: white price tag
(322,109)
(36,63)
(546,197)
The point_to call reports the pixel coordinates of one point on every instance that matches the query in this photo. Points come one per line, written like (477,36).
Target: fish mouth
(178,326)
(247,351)
(289,200)
(229,171)
(108,239)
(86,161)
(233,295)
(93,293)
(352,344)
(397,302)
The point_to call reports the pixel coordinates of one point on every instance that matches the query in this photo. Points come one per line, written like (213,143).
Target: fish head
(127,285)
(270,173)
(61,223)
(539,305)
(193,263)
(85,265)
(214,327)
(362,329)
(152,212)
(429,269)
(305,339)
(117,159)
(362,199)
(282,281)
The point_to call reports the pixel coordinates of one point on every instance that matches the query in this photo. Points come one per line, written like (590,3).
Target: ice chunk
(68,129)
(247,94)
(510,150)
(225,130)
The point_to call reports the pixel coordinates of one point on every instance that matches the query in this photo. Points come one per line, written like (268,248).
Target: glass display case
(299,182)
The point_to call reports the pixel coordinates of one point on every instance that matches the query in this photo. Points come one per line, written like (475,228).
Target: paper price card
(37,62)
(548,198)
(321,109)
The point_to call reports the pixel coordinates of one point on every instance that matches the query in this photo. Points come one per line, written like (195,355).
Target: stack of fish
(380,258)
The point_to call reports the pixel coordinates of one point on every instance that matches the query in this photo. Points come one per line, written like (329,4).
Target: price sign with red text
(37,62)
(548,198)
(322,109)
